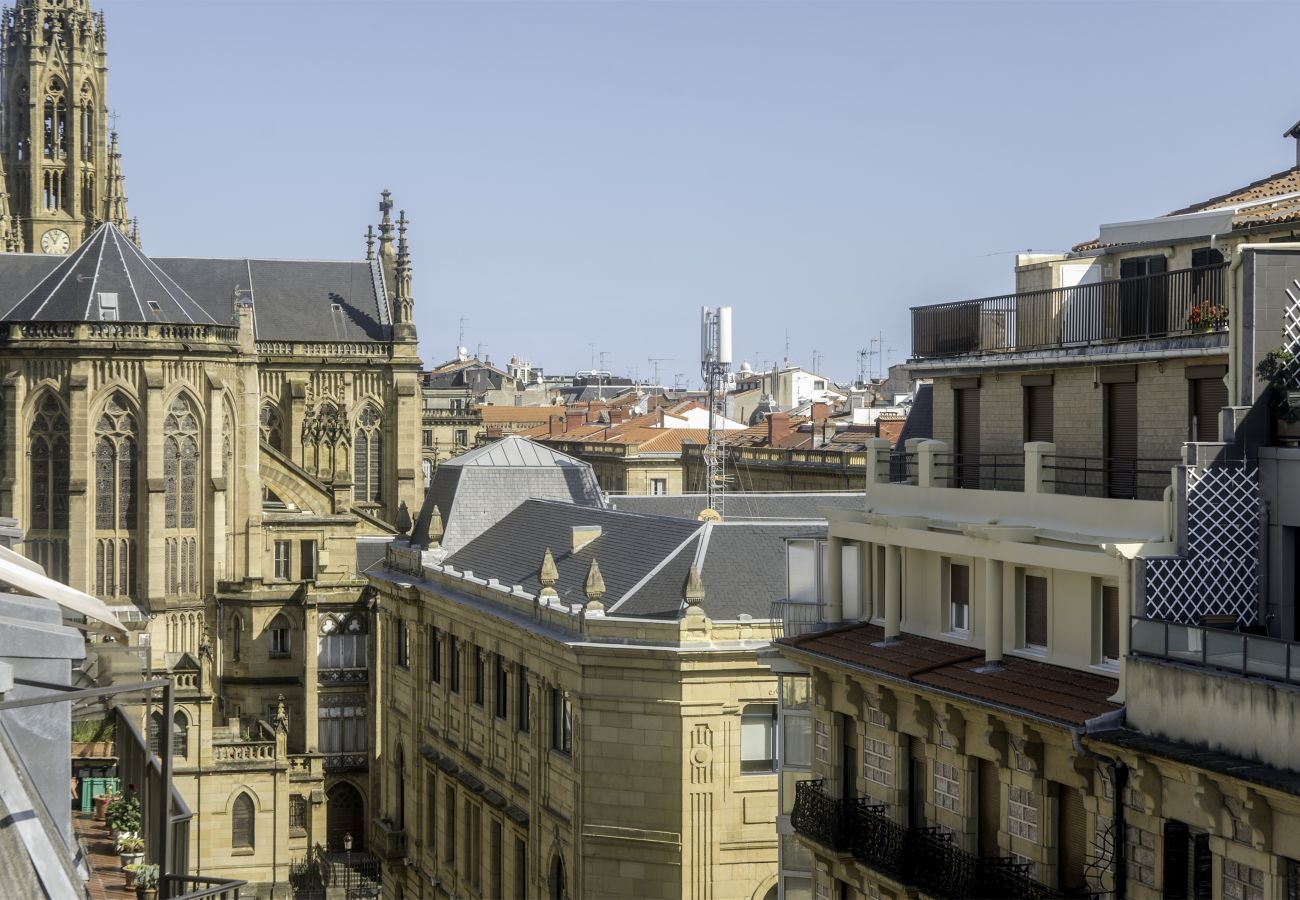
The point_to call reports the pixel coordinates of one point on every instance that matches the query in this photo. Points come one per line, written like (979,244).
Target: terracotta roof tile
(518,413)
(1035,688)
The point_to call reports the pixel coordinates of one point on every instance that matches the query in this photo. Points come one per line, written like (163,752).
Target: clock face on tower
(55,241)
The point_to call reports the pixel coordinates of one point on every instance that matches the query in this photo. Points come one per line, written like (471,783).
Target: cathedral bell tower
(62,175)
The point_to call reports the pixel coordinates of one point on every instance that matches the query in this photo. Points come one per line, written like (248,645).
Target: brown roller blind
(1121,439)
(1209,395)
(1036,610)
(990,800)
(1072,839)
(967,432)
(1110,622)
(1038,412)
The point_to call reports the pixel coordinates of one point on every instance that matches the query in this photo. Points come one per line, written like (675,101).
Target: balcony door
(915,783)
(848,759)
(990,809)
(1121,439)
(1143,304)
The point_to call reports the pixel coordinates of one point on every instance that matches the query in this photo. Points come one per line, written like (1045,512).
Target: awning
(25,575)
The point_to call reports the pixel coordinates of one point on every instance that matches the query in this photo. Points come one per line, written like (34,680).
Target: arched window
(180,735)
(18,121)
(87,105)
(47,542)
(367,453)
(155,731)
(227,467)
(559,889)
(181,496)
(115,499)
(400,785)
(241,823)
(281,634)
(56,122)
(236,636)
(269,424)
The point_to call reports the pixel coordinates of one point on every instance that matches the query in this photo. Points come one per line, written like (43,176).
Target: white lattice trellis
(1219,575)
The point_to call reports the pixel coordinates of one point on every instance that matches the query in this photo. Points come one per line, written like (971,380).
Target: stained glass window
(49,467)
(115,449)
(180,501)
(367,456)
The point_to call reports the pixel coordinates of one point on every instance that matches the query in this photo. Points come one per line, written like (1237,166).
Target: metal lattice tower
(715,363)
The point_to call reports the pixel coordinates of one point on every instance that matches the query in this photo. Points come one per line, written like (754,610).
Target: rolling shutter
(1202,868)
(1038,413)
(968,437)
(1209,395)
(1110,622)
(1036,610)
(1121,439)
(1072,839)
(990,809)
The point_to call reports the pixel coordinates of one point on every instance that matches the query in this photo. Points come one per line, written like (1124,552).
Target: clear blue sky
(581,172)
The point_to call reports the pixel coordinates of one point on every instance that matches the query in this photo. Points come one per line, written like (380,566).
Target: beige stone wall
(649,802)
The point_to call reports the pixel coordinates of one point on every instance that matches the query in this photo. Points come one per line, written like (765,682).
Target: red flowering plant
(1207,315)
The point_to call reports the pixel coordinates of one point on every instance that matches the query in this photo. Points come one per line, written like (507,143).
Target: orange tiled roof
(496,414)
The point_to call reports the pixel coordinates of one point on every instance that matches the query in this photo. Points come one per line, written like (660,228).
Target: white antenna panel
(724,335)
(705,343)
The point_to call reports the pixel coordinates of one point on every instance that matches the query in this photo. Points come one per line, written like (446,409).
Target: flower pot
(144,893)
(130,859)
(130,878)
(1287,432)
(101,807)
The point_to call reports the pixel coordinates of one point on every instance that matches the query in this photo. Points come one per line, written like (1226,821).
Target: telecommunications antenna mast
(715,363)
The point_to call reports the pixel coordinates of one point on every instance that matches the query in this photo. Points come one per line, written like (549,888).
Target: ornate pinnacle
(403,522)
(435,525)
(370,242)
(595,588)
(694,588)
(403,251)
(549,575)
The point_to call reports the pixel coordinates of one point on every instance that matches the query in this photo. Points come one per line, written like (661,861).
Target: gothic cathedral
(216,448)
(62,168)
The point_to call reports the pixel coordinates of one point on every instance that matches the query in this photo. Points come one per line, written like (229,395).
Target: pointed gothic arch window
(87,108)
(116,493)
(48,477)
(56,122)
(269,424)
(181,496)
(18,121)
(241,823)
(367,450)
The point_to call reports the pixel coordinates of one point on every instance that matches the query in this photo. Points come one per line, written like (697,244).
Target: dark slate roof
(477,489)
(293,300)
(644,559)
(629,548)
(370,551)
(106,265)
(742,507)
(920,418)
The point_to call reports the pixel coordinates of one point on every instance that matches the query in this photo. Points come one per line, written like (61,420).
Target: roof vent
(584,535)
(107,307)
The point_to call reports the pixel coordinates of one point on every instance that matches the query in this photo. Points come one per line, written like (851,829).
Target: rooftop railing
(796,617)
(1232,651)
(1185,301)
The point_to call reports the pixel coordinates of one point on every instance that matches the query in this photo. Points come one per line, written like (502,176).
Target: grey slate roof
(741,507)
(644,559)
(920,419)
(477,489)
(293,300)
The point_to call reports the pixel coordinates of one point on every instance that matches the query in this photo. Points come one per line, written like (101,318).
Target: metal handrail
(1116,477)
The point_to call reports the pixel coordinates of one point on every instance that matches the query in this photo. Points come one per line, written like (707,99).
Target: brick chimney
(616,415)
(820,411)
(555,426)
(573,417)
(778,428)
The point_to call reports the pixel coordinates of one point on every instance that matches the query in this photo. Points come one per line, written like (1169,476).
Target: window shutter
(968,437)
(1072,839)
(1209,395)
(1121,439)
(1202,868)
(1038,413)
(1110,622)
(1036,610)
(1175,861)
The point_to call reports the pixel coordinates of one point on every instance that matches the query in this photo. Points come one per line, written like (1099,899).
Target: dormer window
(107,307)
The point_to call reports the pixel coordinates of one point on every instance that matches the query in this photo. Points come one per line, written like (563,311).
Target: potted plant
(131,850)
(101,806)
(131,872)
(146,882)
(1281,369)
(123,816)
(1207,316)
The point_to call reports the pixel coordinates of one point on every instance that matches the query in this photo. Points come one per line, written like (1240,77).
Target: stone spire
(694,592)
(403,303)
(548,577)
(115,202)
(387,257)
(370,242)
(595,588)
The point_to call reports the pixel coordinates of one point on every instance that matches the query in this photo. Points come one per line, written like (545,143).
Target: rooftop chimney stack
(1294,133)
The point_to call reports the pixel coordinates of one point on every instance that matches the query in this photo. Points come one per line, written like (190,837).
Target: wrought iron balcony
(343,675)
(798,617)
(1168,304)
(926,858)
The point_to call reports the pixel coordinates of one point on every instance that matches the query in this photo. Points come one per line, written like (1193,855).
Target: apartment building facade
(1021,631)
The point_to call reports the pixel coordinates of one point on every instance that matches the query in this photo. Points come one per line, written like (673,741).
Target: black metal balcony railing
(926,858)
(1123,479)
(982,471)
(1150,306)
(342,675)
